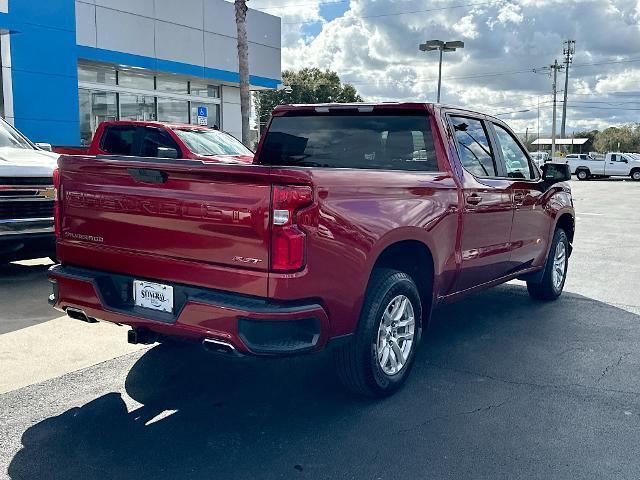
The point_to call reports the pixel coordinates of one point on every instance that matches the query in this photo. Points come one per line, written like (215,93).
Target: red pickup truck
(353,223)
(162,140)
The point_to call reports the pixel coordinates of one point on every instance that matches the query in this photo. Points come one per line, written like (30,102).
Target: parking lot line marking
(54,348)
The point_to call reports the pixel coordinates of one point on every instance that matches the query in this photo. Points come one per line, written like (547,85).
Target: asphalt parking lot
(503,387)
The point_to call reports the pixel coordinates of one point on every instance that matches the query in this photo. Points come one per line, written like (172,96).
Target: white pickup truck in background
(585,166)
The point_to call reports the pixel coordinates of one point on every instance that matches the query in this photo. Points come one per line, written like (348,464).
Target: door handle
(474,199)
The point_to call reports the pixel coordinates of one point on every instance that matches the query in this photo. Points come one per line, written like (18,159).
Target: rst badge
(252,261)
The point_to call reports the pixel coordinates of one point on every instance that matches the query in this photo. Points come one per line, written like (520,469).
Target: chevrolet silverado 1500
(26,197)
(162,140)
(354,222)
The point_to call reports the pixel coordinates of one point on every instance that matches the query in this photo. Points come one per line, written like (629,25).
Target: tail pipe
(78,314)
(220,346)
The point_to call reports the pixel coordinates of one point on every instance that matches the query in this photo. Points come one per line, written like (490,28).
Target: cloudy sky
(373,44)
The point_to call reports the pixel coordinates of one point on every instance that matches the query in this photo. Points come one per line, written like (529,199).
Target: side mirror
(167,152)
(44,146)
(556,172)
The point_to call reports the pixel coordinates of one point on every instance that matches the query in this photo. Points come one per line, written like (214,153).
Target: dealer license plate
(155,296)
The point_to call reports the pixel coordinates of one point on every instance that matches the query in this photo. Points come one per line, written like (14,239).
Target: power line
(494,74)
(285,5)
(393,14)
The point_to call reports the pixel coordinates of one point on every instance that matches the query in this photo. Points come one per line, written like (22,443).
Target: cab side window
(517,164)
(473,147)
(118,140)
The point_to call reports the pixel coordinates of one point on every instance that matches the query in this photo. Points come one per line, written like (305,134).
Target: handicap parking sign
(202,111)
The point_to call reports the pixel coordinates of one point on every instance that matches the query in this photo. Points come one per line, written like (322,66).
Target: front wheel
(555,271)
(635,175)
(377,361)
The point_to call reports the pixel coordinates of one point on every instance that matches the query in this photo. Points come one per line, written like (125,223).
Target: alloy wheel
(559,265)
(395,335)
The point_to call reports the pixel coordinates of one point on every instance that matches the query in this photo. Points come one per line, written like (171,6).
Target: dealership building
(69,65)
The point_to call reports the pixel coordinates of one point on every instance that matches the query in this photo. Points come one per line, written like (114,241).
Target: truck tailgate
(175,220)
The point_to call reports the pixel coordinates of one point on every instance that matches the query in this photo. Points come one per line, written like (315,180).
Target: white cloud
(378,53)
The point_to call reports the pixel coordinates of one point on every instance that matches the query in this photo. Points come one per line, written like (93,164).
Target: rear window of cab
(362,141)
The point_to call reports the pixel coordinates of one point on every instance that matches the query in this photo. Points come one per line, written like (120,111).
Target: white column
(231,119)
(7,82)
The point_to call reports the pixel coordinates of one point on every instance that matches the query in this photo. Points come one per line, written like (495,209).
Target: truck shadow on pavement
(496,372)
(24,289)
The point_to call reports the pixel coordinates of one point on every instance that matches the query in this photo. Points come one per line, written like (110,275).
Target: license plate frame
(153,296)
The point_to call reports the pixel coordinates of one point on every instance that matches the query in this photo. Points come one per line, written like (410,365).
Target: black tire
(357,362)
(635,174)
(583,174)
(546,289)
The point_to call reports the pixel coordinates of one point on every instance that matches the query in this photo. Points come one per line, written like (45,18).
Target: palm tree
(243,64)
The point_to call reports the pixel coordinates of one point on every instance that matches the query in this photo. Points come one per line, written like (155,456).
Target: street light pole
(569,50)
(442,47)
(439,75)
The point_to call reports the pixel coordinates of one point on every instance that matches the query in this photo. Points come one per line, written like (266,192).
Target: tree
(590,135)
(625,138)
(309,85)
(243,67)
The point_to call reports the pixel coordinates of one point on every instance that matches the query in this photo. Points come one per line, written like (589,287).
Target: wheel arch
(415,258)
(567,222)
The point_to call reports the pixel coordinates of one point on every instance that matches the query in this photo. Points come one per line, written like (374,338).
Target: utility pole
(538,123)
(555,67)
(568,51)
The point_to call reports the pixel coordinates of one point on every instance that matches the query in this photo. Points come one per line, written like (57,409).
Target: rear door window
(377,141)
(155,142)
(119,139)
(473,147)
(515,159)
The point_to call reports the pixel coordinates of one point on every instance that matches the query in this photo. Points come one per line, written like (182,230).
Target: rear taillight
(56,202)
(288,242)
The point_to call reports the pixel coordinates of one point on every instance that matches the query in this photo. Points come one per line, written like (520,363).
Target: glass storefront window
(97,74)
(200,89)
(137,107)
(142,81)
(107,92)
(213,113)
(174,111)
(95,107)
(171,85)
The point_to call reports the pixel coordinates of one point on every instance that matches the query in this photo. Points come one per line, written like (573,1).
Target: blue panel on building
(44,72)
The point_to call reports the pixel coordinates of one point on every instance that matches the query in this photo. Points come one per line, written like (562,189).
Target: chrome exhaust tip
(219,346)
(78,314)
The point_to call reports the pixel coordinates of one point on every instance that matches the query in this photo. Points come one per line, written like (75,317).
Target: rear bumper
(252,325)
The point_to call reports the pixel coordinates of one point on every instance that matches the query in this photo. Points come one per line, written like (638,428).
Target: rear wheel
(582,174)
(555,272)
(377,361)
(635,175)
